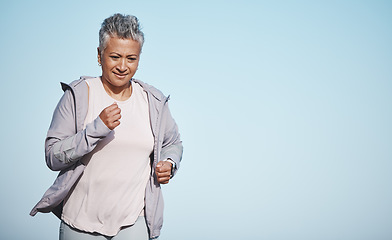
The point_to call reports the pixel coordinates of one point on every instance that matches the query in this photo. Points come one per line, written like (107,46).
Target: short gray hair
(121,26)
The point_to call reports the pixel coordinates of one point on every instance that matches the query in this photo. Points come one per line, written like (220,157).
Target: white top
(110,193)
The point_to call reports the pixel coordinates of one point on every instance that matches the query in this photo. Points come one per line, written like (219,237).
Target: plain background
(284,109)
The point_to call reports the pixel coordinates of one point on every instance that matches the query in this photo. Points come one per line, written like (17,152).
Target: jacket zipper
(156,154)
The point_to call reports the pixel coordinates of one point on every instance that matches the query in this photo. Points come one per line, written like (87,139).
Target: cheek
(106,70)
(133,66)
(107,65)
(136,65)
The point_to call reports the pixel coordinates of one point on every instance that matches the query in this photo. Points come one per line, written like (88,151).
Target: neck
(121,93)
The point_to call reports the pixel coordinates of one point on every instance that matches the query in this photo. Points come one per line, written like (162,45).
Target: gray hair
(121,26)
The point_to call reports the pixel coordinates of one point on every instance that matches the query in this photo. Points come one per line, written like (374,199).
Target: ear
(99,56)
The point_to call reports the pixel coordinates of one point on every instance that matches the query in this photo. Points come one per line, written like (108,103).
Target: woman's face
(119,60)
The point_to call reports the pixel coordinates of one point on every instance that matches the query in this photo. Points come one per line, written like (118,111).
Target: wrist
(173,166)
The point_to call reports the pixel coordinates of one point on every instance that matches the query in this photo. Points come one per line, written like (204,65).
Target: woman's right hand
(111,116)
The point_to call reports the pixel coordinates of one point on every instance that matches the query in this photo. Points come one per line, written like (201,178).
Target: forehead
(122,46)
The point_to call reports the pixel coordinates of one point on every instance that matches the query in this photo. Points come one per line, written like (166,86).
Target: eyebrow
(126,55)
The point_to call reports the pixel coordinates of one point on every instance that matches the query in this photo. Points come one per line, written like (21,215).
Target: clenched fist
(163,171)
(111,116)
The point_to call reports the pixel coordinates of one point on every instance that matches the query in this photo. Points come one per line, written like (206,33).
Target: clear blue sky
(285,111)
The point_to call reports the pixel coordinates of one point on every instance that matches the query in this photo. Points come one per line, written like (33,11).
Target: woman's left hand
(163,171)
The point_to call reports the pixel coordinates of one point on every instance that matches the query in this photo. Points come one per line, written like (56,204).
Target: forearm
(63,152)
(173,152)
(172,145)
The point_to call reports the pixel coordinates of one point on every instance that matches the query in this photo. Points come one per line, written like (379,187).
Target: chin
(114,79)
(120,83)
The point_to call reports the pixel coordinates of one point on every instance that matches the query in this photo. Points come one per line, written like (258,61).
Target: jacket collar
(148,88)
(154,92)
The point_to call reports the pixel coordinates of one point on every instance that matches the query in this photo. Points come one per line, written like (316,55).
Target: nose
(121,66)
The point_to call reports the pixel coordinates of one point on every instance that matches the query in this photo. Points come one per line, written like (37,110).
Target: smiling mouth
(120,75)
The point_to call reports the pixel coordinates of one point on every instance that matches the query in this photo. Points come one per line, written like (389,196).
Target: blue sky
(284,108)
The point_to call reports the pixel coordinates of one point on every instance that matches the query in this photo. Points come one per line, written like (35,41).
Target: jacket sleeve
(64,145)
(172,145)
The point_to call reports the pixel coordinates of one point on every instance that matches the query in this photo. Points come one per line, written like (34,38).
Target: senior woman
(114,142)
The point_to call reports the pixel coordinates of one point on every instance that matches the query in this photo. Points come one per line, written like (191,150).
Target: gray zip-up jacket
(67,142)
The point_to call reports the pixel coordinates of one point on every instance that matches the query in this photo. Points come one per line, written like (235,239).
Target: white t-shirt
(110,193)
